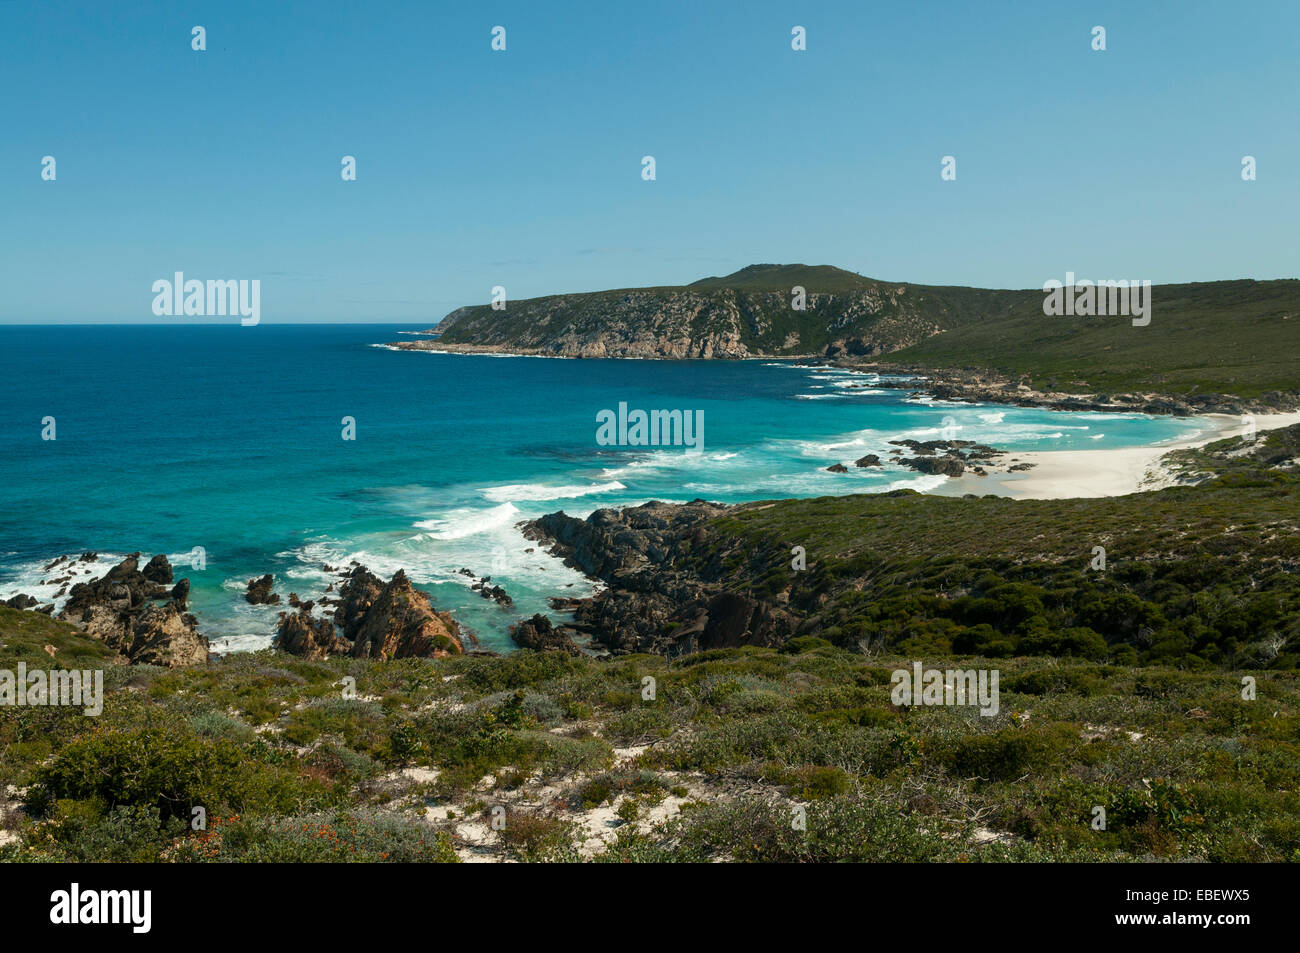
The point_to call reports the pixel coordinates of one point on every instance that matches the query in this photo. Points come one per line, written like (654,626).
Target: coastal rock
(158,570)
(120,609)
(648,605)
(259,591)
(401,623)
(837,468)
(165,635)
(491,592)
(870,460)
(301,633)
(21,601)
(540,635)
(947,466)
(357,594)
(124,587)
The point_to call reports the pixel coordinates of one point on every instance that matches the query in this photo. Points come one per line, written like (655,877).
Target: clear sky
(523,168)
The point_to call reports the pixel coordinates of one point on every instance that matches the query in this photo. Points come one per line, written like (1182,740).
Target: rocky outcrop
(371,619)
(653,602)
(301,633)
(21,601)
(485,589)
(401,623)
(357,594)
(837,468)
(122,609)
(158,570)
(540,635)
(947,466)
(945,457)
(259,591)
(166,635)
(870,460)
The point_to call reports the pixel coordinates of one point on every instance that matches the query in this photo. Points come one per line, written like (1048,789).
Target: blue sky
(522,168)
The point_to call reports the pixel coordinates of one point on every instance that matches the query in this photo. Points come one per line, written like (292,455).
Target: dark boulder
(259,591)
(540,635)
(158,570)
(946,466)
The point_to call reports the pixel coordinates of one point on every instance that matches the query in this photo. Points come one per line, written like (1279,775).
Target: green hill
(1235,337)
(1226,337)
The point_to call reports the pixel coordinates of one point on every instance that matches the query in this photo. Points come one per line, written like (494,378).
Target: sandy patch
(1069,474)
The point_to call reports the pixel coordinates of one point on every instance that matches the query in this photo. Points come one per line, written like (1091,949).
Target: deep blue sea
(230,439)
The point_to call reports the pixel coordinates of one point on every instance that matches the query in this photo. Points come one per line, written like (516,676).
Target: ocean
(230,439)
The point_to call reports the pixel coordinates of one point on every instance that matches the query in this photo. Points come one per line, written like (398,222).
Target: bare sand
(1067,474)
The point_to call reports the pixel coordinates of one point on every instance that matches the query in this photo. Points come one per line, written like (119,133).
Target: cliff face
(752,313)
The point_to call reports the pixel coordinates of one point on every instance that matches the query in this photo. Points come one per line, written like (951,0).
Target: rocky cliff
(756,312)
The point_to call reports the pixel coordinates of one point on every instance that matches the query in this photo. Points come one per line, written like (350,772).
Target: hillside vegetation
(544,756)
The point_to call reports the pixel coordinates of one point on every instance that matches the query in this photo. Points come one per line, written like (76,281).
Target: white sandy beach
(1064,474)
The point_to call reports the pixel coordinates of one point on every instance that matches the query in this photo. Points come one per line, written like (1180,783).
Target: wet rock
(158,570)
(259,591)
(947,466)
(870,460)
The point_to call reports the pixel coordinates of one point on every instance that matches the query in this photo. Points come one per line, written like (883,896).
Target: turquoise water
(229,439)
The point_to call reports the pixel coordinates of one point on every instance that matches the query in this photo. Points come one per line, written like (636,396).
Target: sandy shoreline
(1065,474)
